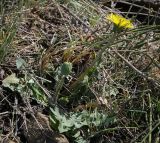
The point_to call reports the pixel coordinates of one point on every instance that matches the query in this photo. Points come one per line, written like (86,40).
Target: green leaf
(66,68)
(65,125)
(60,122)
(54,119)
(78,138)
(20,62)
(11,79)
(39,95)
(85,80)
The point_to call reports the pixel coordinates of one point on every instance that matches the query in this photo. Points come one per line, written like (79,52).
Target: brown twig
(135,69)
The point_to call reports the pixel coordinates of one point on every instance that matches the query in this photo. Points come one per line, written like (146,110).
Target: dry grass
(113,85)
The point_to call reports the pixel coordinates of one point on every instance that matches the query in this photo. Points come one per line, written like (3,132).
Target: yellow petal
(120,21)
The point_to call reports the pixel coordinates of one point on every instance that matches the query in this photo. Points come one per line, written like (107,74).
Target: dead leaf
(11,79)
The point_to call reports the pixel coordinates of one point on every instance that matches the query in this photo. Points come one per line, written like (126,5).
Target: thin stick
(135,69)
(150,119)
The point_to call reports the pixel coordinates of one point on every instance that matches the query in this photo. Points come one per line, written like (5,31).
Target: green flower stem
(98,58)
(58,88)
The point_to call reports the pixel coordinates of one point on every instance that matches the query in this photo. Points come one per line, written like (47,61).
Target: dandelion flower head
(120,21)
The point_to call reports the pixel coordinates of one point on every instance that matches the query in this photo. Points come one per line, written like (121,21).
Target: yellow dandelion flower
(120,21)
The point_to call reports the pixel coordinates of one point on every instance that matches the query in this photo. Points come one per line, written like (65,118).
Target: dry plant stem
(142,7)
(110,41)
(156,124)
(150,119)
(4,113)
(113,129)
(76,17)
(94,32)
(135,69)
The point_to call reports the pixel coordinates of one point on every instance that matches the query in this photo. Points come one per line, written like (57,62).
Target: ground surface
(67,77)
